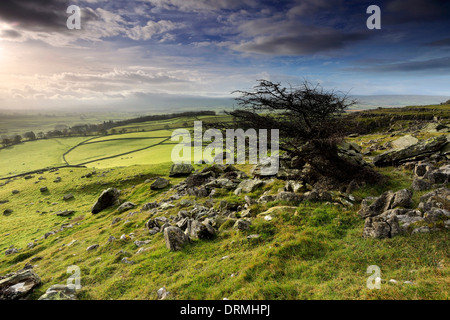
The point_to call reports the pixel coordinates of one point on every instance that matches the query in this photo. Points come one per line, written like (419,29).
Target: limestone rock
(159,183)
(59,292)
(175,238)
(107,199)
(181,169)
(18,285)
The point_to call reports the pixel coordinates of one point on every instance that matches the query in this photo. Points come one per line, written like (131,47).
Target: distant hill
(375,101)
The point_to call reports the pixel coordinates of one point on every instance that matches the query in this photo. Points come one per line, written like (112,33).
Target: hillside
(251,237)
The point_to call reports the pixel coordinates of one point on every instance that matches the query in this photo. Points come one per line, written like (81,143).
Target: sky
(157,53)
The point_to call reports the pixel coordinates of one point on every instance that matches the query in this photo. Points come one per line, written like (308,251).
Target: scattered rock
(126,261)
(68,196)
(242,225)
(420,184)
(11,250)
(404,142)
(7,212)
(64,213)
(250,185)
(175,238)
(141,243)
(43,189)
(126,206)
(159,183)
(18,285)
(181,169)
(107,199)
(288,196)
(59,292)
(198,230)
(93,247)
(417,151)
(162,293)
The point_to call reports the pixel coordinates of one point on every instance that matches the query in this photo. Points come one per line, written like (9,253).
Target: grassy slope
(316,253)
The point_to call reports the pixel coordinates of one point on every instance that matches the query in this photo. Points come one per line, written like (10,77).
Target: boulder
(93,247)
(175,238)
(438,176)
(439,198)
(381,226)
(402,198)
(7,212)
(198,230)
(18,285)
(420,184)
(126,206)
(250,185)
(64,213)
(294,186)
(59,292)
(422,168)
(159,183)
(373,206)
(404,142)
(242,225)
(68,196)
(181,169)
(417,151)
(288,196)
(107,199)
(43,189)
(266,167)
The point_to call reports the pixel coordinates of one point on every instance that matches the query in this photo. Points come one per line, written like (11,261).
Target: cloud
(10,34)
(431,65)
(439,43)
(290,37)
(201,5)
(404,11)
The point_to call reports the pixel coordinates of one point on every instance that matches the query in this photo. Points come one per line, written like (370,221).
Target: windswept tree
(310,123)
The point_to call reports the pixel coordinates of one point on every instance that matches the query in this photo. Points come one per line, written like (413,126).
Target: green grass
(35,155)
(92,151)
(315,253)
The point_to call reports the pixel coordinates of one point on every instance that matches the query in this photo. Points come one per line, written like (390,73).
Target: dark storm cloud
(42,15)
(34,15)
(11,34)
(418,11)
(432,65)
(301,44)
(439,43)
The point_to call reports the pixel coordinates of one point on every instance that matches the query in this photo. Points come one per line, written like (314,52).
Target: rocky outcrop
(417,151)
(384,220)
(108,198)
(18,285)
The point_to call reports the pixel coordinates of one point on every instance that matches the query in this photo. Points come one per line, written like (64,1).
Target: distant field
(92,151)
(154,155)
(187,122)
(138,143)
(146,134)
(35,155)
(19,123)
